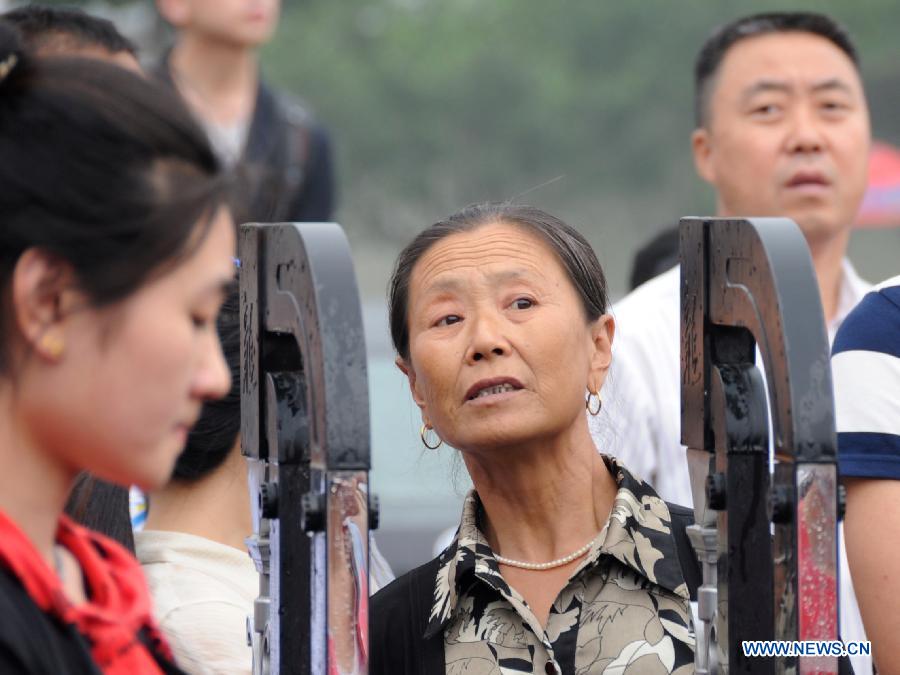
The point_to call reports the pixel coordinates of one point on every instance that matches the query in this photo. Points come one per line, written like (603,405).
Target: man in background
(782,129)
(282,156)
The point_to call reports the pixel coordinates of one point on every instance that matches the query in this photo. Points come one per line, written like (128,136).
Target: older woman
(564,562)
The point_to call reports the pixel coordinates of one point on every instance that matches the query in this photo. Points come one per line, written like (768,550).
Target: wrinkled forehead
(490,253)
(795,59)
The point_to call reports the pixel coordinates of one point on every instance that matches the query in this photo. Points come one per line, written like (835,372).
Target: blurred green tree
(438,104)
(581,107)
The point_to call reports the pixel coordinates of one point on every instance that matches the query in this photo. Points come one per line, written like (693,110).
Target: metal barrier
(765,536)
(305,432)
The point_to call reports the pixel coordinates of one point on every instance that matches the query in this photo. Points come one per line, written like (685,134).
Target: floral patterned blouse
(625,610)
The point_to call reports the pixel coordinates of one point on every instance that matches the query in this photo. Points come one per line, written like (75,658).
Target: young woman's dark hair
(112,205)
(101,168)
(572,249)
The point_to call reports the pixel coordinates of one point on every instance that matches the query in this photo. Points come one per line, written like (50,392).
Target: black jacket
(285,173)
(35,643)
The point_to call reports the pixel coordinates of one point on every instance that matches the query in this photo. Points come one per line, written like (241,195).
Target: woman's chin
(496,439)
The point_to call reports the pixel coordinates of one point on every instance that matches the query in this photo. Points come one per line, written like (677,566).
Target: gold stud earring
(52,345)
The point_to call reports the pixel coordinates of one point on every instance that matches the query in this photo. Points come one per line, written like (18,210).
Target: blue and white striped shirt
(865,364)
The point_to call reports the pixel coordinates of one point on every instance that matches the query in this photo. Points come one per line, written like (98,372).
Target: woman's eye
(449,319)
(201,322)
(522,303)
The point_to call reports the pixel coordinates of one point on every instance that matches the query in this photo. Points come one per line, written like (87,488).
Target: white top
(641,417)
(228,140)
(203,592)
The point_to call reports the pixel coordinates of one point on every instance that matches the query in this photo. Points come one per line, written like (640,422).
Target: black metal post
(305,431)
(748,286)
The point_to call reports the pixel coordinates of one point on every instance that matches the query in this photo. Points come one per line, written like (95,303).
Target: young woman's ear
(43,295)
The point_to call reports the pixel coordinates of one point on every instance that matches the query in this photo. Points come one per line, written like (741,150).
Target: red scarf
(119,607)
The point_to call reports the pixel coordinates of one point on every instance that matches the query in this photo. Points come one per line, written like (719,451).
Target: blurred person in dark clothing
(282,156)
(656,256)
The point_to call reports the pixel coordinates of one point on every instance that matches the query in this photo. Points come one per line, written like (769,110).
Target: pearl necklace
(559,562)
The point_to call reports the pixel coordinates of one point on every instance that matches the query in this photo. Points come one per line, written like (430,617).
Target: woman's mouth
(492,389)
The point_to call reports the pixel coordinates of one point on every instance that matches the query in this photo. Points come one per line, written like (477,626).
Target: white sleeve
(642,395)
(627,425)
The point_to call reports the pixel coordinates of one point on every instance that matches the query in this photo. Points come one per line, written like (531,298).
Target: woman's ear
(410,373)
(42,297)
(603,331)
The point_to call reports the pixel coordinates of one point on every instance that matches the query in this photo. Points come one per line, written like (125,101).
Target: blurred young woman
(115,254)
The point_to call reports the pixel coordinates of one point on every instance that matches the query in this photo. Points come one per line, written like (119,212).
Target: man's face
(787,133)
(244,23)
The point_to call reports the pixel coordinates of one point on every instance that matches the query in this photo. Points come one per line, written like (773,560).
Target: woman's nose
(213,377)
(487,339)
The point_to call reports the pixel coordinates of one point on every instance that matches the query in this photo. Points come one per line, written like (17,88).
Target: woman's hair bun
(14,59)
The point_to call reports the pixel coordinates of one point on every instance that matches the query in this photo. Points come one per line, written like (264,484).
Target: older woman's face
(500,350)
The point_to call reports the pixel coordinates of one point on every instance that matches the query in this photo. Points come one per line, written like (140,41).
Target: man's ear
(43,295)
(175,12)
(701,146)
(603,331)
(411,377)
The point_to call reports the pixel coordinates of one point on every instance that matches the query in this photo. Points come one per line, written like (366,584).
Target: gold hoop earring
(425,429)
(594,411)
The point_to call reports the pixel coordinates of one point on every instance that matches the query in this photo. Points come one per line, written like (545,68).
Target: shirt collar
(852,290)
(638,535)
